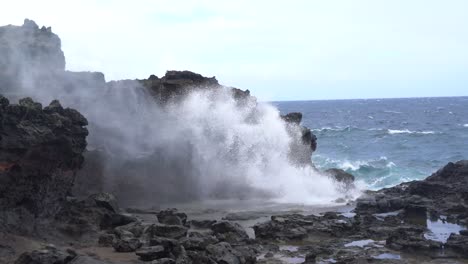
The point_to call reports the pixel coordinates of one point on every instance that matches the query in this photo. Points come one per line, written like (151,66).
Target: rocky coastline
(54,208)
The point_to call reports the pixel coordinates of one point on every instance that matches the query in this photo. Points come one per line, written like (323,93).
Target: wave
(352,165)
(465,125)
(381,130)
(335,129)
(407,131)
(392,112)
(376,173)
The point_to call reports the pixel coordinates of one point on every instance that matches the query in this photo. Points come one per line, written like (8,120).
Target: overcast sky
(280,50)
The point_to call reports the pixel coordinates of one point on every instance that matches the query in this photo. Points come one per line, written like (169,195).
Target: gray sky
(280,50)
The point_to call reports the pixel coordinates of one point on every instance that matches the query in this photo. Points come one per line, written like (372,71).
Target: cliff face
(40,152)
(28,49)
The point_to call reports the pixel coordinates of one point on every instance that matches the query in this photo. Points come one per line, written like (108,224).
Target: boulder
(106,200)
(284,228)
(224,253)
(167,231)
(47,255)
(340,175)
(134,229)
(78,218)
(127,244)
(164,261)
(199,257)
(198,243)
(229,231)
(172,217)
(122,219)
(152,253)
(167,243)
(107,240)
(202,224)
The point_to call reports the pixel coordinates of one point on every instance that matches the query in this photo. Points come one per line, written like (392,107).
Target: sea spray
(206,144)
(245,147)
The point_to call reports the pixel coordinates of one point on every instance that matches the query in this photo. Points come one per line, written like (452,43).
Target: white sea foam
(465,125)
(407,131)
(354,165)
(392,112)
(335,129)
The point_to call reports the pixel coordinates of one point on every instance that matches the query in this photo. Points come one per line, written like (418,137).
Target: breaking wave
(407,131)
(338,129)
(376,173)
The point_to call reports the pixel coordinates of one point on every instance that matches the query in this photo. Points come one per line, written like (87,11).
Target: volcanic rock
(224,253)
(442,193)
(458,243)
(172,217)
(229,231)
(167,231)
(47,256)
(127,244)
(151,253)
(163,261)
(41,150)
(176,84)
(294,117)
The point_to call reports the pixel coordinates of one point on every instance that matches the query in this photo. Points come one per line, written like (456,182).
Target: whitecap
(465,125)
(392,112)
(336,129)
(396,131)
(407,131)
(354,166)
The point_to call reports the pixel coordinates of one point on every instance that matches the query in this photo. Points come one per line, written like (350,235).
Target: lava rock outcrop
(40,151)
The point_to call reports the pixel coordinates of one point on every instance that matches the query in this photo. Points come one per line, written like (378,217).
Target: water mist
(206,145)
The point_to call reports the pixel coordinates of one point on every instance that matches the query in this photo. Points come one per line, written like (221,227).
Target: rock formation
(304,143)
(41,150)
(176,84)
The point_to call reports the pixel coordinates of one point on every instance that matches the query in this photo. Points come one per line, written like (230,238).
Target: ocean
(384,142)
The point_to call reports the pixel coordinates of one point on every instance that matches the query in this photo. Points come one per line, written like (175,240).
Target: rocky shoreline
(54,208)
(408,223)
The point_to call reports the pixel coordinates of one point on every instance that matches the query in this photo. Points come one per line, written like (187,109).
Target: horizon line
(374,98)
